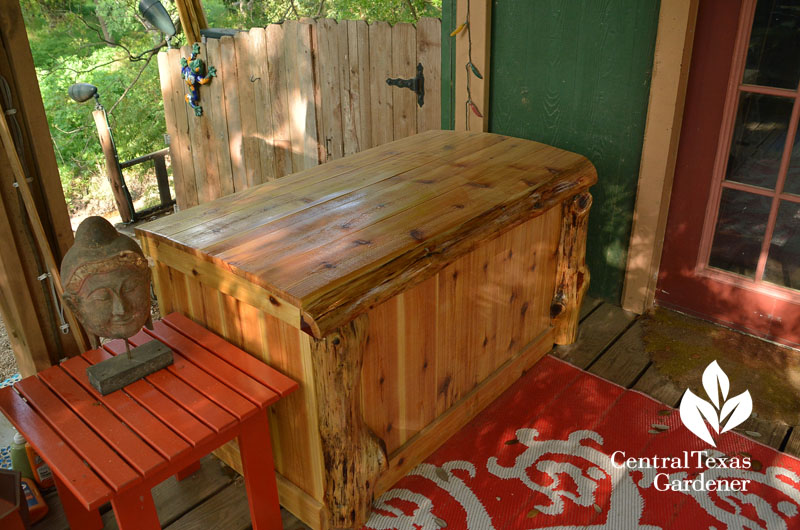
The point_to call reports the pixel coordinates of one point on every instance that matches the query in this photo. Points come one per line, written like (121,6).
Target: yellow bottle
(37,508)
(41,471)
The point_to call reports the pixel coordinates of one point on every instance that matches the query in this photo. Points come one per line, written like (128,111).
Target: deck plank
(595,334)
(793,445)
(772,432)
(174,499)
(227,509)
(658,386)
(625,360)
(589,305)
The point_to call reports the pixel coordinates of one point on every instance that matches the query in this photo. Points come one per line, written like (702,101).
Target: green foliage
(70,44)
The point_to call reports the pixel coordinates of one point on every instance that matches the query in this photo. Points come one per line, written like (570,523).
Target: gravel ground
(8,365)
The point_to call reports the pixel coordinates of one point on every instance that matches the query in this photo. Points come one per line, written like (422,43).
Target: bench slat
(205,360)
(103,460)
(162,407)
(88,488)
(187,397)
(261,372)
(150,428)
(115,433)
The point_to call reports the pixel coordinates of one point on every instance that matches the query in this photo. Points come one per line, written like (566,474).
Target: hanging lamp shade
(81,92)
(155,14)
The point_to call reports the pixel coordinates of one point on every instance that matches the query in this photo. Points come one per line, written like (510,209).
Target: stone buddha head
(106,281)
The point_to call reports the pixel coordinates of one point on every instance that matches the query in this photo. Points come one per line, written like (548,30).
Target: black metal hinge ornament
(416,84)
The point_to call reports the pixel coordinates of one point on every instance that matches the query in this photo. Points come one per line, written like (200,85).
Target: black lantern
(155,14)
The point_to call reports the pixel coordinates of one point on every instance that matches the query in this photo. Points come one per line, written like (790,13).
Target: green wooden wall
(574,74)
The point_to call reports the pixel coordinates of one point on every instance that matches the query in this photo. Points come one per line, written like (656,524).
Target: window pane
(792,184)
(740,228)
(758,139)
(783,262)
(773,56)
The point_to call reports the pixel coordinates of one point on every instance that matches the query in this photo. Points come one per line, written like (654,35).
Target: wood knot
(362,242)
(274,301)
(417,234)
(556,309)
(336,341)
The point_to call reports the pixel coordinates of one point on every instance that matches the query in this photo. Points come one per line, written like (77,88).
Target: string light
(471,69)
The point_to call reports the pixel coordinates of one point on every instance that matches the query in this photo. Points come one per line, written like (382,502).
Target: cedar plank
(411,183)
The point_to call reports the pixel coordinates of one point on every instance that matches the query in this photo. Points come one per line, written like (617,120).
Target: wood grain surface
(339,238)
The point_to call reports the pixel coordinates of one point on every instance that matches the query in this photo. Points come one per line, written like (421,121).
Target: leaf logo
(696,412)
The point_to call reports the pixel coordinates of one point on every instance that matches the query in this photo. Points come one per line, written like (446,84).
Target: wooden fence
(288,97)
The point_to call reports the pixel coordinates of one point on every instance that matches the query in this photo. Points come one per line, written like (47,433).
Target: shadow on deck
(659,354)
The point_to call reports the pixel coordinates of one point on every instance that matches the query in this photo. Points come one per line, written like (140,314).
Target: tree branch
(135,79)
(412,9)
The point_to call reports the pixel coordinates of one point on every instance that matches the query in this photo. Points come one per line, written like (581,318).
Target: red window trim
(735,87)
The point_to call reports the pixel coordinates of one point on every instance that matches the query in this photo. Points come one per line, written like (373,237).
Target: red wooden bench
(117,447)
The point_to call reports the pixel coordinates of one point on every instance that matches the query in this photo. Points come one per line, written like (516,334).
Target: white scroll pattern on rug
(588,468)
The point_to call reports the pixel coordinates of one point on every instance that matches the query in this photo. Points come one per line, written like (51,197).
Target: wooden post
(354,455)
(676,22)
(162,179)
(572,275)
(113,171)
(38,229)
(193,19)
(480,28)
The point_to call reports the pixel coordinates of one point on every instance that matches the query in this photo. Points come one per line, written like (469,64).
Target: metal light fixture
(157,15)
(82,92)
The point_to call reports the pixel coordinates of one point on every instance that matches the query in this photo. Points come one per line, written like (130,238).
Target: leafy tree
(108,44)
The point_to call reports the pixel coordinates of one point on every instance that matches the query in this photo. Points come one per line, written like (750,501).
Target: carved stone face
(116,303)
(106,281)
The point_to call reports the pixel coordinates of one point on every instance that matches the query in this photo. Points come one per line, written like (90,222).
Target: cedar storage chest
(404,287)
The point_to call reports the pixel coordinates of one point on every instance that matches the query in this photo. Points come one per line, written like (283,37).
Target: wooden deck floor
(610,345)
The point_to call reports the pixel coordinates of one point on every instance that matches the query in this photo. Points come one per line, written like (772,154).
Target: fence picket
(429,53)
(291,95)
(380,68)
(230,83)
(279,109)
(404,65)
(330,89)
(263,100)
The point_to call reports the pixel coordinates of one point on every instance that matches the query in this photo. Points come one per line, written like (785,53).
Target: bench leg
(188,471)
(259,473)
(77,514)
(135,510)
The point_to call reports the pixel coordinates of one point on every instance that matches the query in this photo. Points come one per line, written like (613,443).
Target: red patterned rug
(551,453)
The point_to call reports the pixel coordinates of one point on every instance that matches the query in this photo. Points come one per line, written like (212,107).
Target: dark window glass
(783,261)
(758,140)
(740,228)
(773,55)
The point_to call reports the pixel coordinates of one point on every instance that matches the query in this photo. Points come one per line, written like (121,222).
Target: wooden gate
(288,97)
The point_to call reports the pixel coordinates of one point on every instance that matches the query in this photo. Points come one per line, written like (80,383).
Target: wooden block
(122,370)
(595,334)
